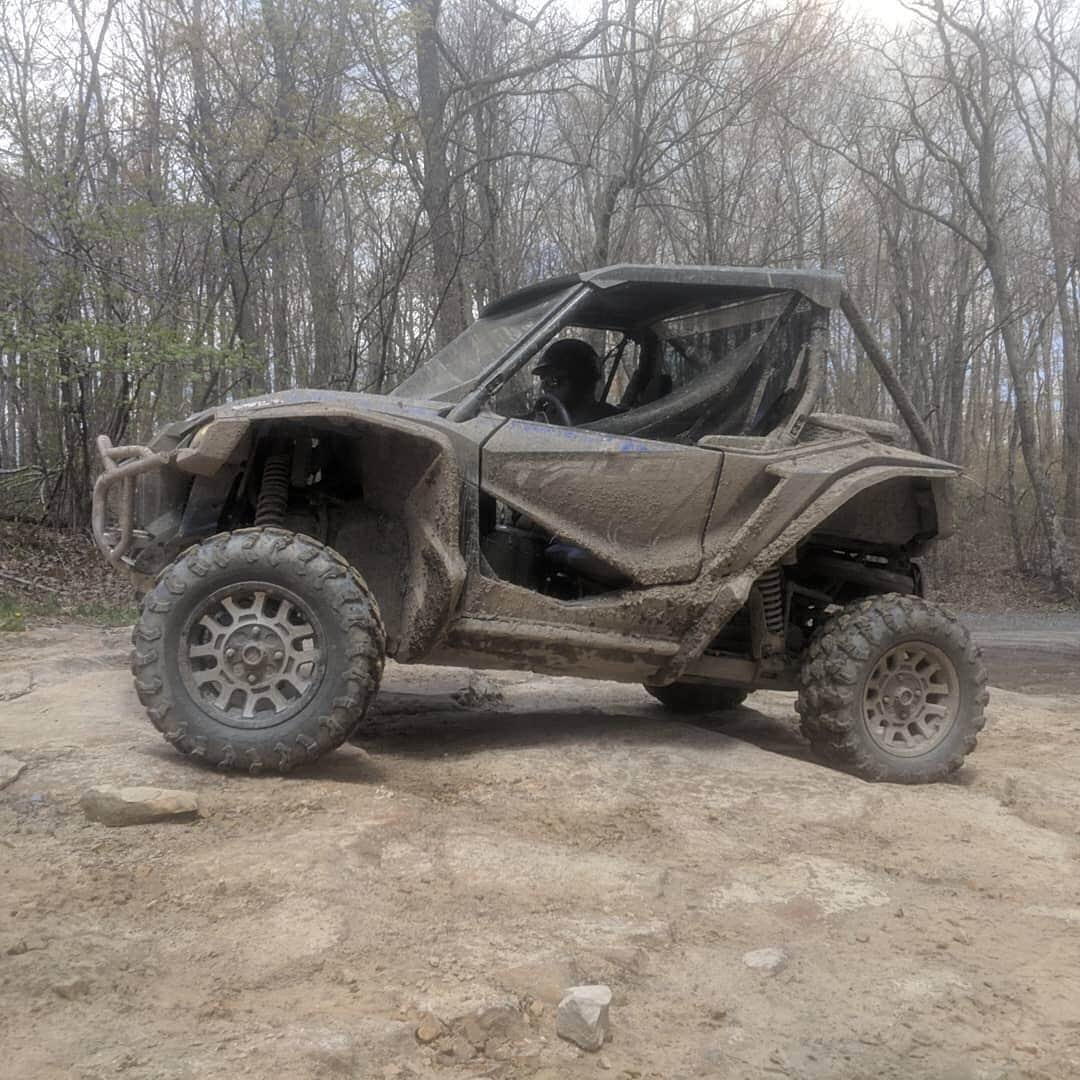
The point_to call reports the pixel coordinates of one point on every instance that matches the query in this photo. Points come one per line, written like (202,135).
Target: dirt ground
(501,838)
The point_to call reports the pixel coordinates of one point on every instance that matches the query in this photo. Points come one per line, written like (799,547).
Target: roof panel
(823,287)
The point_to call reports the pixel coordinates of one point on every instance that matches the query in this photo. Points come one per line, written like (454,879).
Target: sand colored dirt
(492,844)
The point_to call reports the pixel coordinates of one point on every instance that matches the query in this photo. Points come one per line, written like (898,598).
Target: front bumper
(122,464)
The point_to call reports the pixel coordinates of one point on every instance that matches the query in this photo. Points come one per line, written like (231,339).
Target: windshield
(453,371)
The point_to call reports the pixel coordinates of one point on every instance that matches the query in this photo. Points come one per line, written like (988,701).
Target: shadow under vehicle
(713,536)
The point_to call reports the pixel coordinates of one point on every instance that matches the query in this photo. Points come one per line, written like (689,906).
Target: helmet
(572,357)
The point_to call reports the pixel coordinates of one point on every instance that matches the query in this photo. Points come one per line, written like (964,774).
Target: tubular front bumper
(122,465)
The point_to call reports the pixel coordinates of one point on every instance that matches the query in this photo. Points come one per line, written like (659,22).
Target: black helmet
(573,357)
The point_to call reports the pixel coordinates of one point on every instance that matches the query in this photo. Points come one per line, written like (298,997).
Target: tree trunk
(322,282)
(1061,571)
(437,187)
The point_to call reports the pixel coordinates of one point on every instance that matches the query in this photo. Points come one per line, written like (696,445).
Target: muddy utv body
(714,535)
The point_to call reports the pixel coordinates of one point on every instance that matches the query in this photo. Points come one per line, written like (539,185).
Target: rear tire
(685,697)
(258,649)
(893,689)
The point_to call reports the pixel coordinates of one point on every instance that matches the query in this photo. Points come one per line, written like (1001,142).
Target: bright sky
(889,12)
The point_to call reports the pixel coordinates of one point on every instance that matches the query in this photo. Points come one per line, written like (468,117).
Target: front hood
(306,403)
(321,401)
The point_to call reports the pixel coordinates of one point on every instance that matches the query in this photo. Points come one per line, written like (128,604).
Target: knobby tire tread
(325,571)
(838,661)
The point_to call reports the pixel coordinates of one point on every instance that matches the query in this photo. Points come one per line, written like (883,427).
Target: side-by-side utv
(710,535)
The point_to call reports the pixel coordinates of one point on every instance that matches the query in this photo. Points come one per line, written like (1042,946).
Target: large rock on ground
(583,1016)
(138,805)
(10,768)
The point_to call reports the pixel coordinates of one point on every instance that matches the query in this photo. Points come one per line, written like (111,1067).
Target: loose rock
(138,805)
(583,1016)
(10,768)
(429,1028)
(767,961)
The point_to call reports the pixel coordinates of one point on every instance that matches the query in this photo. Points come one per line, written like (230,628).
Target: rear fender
(809,491)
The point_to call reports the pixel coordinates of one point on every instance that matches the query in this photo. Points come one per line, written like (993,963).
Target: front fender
(412,470)
(410,475)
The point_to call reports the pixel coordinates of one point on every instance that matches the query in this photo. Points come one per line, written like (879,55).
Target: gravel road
(1030,652)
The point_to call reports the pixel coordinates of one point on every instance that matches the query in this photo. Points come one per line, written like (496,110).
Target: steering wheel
(553,409)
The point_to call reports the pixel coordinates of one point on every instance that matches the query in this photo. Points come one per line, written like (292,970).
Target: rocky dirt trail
(496,840)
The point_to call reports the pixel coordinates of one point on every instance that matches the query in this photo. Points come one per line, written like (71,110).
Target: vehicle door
(638,505)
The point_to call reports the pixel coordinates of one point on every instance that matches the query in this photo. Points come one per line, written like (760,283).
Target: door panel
(639,505)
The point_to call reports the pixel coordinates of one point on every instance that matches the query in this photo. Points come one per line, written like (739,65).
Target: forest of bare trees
(205,199)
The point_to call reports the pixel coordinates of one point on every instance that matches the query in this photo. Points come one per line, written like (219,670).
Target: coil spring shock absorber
(274,489)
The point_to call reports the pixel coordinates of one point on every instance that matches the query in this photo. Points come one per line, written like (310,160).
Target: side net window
(746,359)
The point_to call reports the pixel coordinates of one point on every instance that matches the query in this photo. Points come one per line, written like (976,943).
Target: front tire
(893,689)
(685,697)
(258,649)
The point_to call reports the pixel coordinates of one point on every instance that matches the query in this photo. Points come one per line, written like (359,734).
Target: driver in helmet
(570,371)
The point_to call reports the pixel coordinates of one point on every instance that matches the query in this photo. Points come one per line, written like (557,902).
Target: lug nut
(251,678)
(230,653)
(279,655)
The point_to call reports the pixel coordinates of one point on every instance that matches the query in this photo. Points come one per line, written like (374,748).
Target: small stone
(536,1009)
(862,939)
(768,961)
(138,805)
(603,1062)
(583,1016)
(18,948)
(429,1028)
(10,768)
(71,988)
(1026,1047)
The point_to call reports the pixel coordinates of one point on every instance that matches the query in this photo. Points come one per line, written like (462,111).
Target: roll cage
(759,320)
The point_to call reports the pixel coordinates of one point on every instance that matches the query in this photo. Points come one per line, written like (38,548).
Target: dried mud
(501,837)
